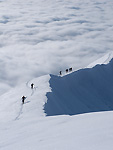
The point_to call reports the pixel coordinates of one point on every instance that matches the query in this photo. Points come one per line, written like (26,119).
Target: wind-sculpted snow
(83,91)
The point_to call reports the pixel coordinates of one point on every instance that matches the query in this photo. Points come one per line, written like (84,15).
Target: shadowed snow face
(83,91)
(39,37)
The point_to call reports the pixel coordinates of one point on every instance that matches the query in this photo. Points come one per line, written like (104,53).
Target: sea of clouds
(38,37)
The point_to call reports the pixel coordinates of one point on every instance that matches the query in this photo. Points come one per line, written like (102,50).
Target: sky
(40,37)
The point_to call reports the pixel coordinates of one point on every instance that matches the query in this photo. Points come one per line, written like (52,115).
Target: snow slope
(82,91)
(11,105)
(40,37)
(87,90)
(82,132)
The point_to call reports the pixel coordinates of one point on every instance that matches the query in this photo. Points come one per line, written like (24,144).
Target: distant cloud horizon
(41,37)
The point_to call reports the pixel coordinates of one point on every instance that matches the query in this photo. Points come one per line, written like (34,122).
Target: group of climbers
(67,70)
(23,97)
(32,85)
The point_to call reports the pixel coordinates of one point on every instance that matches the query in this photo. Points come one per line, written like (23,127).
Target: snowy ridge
(42,37)
(83,91)
(26,127)
(103,60)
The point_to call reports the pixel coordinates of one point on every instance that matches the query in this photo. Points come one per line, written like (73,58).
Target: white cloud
(39,37)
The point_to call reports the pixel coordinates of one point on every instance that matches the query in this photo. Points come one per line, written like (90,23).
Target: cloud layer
(38,37)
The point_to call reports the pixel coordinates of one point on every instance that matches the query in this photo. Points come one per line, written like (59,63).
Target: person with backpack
(32,85)
(23,99)
(60,72)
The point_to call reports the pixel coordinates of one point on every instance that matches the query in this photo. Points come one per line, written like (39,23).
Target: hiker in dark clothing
(32,86)
(60,72)
(70,69)
(66,70)
(23,98)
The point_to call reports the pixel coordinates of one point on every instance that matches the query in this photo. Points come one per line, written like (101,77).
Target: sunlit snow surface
(38,37)
(83,132)
(27,126)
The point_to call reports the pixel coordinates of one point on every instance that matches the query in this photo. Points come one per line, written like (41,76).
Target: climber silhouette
(60,72)
(32,85)
(66,70)
(23,98)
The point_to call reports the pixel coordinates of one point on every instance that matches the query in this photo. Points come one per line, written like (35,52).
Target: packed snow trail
(20,112)
(11,102)
(21,106)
